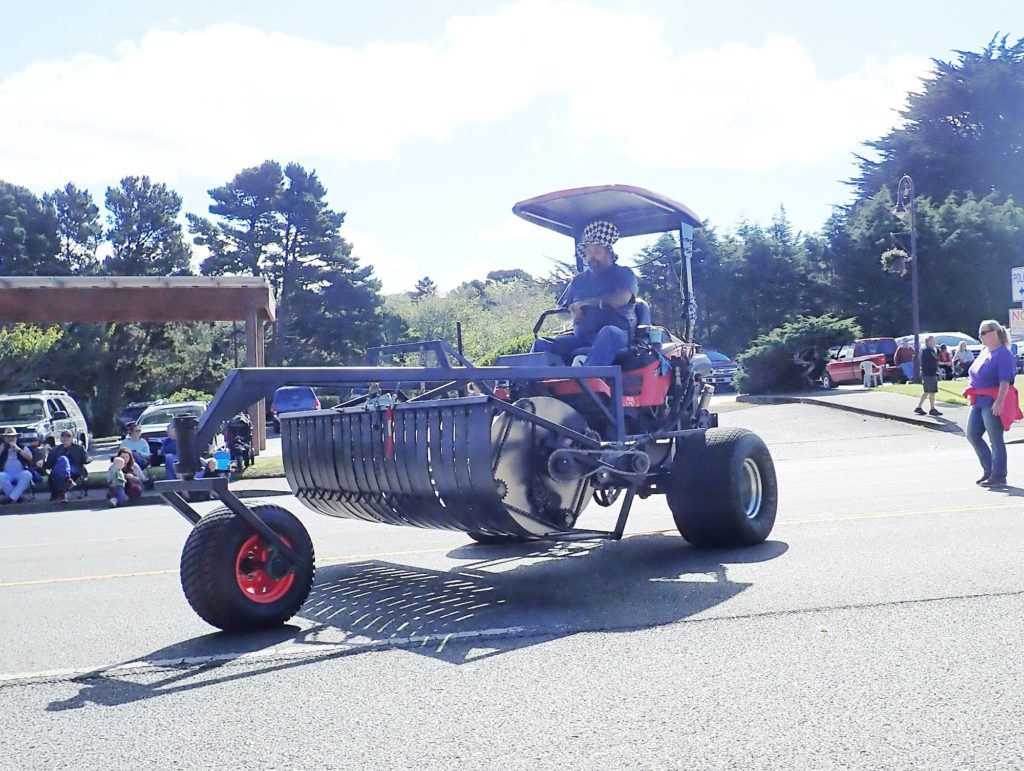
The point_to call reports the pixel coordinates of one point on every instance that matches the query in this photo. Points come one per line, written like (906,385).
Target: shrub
(520,344)
(768,364)
(189,395)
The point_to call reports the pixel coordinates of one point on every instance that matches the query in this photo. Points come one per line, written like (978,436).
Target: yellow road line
(43,544)
(76,579)
(342,559)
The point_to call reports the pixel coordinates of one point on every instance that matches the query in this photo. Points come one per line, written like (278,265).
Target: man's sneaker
(112,501)
(918,411)
(934,412)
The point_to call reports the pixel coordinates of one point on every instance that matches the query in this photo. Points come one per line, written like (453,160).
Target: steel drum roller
(454,464)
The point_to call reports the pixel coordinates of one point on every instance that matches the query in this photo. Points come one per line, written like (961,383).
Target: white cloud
(202,104)
(397,273)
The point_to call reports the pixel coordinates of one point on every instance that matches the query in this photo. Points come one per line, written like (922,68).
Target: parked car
(845,366)
(723,369)
(154,419)
(39,415)
(130,414)
(951,340)
(292,399)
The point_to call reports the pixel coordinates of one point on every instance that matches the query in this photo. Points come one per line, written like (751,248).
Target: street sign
(1017,321)
(1017,285)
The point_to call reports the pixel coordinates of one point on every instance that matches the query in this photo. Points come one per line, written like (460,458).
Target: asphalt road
(880,627)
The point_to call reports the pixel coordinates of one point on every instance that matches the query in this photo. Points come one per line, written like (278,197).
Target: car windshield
(165,415)
(21,410)
(294,394)
(952,341)
(874,347)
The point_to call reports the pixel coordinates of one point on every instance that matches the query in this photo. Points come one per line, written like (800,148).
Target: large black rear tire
(723,490)
(224,575)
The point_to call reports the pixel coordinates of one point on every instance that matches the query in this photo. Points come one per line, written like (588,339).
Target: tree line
(961,138)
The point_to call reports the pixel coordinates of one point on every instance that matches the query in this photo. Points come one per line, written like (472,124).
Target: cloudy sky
(427,121)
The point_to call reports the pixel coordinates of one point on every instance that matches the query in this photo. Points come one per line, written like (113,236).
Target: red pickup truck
(845,365)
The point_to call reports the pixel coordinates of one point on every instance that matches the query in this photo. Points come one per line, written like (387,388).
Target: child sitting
(115,482)
(208,471)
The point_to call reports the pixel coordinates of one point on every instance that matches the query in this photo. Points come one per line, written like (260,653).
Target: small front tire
(827,381)
(226,575)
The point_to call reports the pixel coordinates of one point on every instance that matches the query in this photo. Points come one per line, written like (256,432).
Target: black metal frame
(245,386)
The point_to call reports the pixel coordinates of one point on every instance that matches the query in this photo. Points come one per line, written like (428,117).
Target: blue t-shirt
(588,285)
(990,369)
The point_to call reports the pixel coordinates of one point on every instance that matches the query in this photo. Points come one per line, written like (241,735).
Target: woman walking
(994,402)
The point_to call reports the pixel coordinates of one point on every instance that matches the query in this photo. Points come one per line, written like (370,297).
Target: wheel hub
(753,488)
(259,573)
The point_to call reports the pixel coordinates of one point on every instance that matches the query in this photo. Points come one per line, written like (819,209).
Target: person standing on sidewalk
(929,376)
(994,401)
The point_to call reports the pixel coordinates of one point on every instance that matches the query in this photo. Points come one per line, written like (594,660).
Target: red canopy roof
(633,210)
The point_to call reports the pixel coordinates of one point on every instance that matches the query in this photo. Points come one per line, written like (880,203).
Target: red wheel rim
(251,572)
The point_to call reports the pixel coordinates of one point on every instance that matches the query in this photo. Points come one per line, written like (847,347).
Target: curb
(42,505)
(946,426)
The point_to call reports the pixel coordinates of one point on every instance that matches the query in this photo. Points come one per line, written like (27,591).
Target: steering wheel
(552,312)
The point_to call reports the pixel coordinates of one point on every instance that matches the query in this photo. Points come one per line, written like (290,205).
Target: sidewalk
(870,401)
(97,498)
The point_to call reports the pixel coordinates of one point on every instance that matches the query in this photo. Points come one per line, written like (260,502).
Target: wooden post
(254,358)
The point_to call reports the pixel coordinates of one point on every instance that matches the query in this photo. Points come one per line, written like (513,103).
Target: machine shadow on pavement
(503,598)
(515,596)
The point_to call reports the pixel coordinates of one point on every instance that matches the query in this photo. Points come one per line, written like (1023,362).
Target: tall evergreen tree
(243,240)
(28,235)
(113,360)
(425,287)
(276,224)
(78,227)
(964,132)
(144,231)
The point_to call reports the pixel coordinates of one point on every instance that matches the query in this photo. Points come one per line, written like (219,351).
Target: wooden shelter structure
(105,299)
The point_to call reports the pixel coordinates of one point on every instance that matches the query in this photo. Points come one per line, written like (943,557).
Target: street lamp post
(905,205)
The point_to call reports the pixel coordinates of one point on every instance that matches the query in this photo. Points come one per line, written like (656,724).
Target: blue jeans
(15,485)
(979,421)
(169,460)
(605,344)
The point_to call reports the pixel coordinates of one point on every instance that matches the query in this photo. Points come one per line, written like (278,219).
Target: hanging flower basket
(895,260)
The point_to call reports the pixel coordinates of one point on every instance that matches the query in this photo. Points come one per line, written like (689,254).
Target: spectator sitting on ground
(169,449)
(138,446)
(116,482)
(962,360)
(210,469)
(133,480)
(945,362)
(67,466)
(15,466)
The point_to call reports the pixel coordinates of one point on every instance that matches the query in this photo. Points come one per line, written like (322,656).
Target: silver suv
(39,415)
